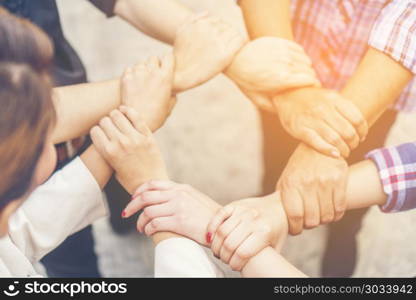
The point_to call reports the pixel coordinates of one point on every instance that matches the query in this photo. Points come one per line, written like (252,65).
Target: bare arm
(364,189)
(377,83)
(267,18)
(98,167)
(146,16)
(81,106)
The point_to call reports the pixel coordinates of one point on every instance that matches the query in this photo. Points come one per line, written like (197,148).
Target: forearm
(364,189)
(269,263)
(267,18)
(146,16)
(97,166)
(377,83)
(81,106)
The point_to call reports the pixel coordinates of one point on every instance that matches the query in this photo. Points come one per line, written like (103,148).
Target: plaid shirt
(397,170)
(337,33)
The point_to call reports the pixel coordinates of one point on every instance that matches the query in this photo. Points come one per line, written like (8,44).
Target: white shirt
(69,201)
(182,257)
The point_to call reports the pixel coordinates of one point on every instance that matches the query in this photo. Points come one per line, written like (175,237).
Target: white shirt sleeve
(69,201)
(182,257)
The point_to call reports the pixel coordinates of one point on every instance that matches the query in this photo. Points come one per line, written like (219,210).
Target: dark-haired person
(38,210)
(204,47)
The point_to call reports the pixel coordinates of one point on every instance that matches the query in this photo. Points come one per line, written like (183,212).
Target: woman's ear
(5,214)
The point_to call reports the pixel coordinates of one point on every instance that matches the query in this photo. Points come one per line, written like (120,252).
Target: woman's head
(25,43)
(27,115)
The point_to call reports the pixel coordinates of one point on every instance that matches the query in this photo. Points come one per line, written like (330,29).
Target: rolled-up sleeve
(397,170)
(394,32)
(69,201)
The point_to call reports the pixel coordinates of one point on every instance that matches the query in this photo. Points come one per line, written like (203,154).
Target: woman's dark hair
(26,108)
(23,42)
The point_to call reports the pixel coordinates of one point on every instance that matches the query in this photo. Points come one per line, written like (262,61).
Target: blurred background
(212,141)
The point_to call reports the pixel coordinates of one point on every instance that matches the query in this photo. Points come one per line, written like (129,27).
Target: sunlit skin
(375,85)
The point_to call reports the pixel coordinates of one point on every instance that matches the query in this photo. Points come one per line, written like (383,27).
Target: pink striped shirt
(337,33)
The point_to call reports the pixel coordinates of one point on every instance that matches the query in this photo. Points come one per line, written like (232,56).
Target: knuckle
(147,213)
(155,223)
(221,232)
(296,217)
(235,266)
(111,150)
(242,254)
(327,218)
(228,246)
(311,222)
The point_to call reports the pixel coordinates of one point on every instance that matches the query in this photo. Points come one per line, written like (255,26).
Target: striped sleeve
(394,32)
(397,170)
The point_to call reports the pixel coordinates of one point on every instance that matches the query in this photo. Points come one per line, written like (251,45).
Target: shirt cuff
(394,33)
(397,171)
(182,257)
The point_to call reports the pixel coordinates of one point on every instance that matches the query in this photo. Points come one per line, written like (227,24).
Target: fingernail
(335,153)
(123,214)
(208,237)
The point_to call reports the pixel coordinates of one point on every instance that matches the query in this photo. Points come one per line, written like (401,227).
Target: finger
(219,218)
(300,57)
(261,100)
(136,120)
(299,79)
(153,63)
(339,198)
(146,199)
(344,129)
(127,74)
(168,64)
(311,205)
(294,47)
(99,138)
(172,104)
(122,123)
(293,204)
(234,240)
(110,130)
(326,204)
(250,247)
(223,231)
(161,185)
(313,139)
(160,225)
(152,212)
(353,115)
(332,137)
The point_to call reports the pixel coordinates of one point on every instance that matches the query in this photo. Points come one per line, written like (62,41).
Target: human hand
(124,140)
(313,188)
(169,206)
(243,228)
(262,100)
(204,46)
(322,119)
(272,65)
(147,87)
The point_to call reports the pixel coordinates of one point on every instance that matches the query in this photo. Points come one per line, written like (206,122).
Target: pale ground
(212,141)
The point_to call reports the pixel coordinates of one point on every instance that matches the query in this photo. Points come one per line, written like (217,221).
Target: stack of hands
(276,75)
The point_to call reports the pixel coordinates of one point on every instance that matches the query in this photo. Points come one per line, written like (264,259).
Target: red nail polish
(208,237)
(123,214)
